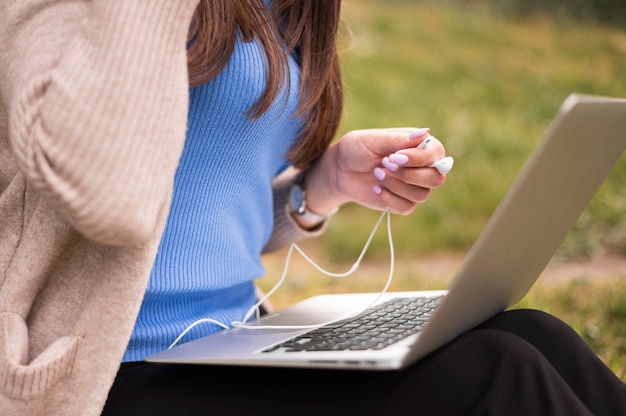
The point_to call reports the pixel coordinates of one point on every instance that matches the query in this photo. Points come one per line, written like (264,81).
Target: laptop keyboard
(375,329)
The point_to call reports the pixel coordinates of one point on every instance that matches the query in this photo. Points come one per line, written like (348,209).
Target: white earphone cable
(256,307)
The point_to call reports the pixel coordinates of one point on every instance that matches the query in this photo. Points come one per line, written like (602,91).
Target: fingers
(386,168)
(402,201)
(427,152)
(402,191)
(407,176)
(401,206)
(386,141)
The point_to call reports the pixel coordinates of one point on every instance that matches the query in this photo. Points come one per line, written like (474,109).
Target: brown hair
(307,28)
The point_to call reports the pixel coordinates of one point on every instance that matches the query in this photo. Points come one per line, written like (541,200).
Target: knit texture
(93,115)
(221,215)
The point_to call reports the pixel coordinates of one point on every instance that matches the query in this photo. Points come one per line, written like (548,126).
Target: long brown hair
(307,28)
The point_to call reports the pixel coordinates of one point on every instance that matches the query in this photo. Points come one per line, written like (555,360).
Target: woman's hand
(377,168)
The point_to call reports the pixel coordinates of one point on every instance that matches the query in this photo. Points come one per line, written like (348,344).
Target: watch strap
(301,210)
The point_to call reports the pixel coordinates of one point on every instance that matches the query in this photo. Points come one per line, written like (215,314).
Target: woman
(133,205)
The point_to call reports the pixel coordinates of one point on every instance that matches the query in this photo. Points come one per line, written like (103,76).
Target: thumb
(393,139)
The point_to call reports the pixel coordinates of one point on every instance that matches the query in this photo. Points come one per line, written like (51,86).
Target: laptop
(582,144)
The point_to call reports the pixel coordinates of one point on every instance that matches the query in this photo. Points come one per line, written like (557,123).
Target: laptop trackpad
(290,319)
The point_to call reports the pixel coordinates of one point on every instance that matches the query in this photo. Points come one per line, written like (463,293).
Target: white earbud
(443,165)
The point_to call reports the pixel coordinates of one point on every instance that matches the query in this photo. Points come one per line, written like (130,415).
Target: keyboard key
(375,329)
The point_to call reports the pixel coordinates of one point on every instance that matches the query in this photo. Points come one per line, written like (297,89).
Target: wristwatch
(297,205)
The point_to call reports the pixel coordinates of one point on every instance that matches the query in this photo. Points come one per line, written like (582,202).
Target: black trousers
(520,362)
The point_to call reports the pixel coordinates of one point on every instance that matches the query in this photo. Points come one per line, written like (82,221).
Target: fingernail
(419,133)
(379,173)
(377,189)
(391,166)
(398,159)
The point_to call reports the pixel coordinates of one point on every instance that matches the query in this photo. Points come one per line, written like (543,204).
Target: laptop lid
(582,144)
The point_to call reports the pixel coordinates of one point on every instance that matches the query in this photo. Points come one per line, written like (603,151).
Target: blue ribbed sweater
(221,214)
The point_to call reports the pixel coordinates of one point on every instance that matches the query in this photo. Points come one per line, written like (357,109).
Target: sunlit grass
(487,85)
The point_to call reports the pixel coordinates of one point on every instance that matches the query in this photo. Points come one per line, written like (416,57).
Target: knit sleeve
(97,95)
(286,230)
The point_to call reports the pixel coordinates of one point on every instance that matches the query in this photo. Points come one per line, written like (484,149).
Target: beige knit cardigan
(93,106)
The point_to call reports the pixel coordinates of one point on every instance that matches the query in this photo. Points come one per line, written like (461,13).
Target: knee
(485,355)
(481,369)
(530,321)
(498,349)
(532,316)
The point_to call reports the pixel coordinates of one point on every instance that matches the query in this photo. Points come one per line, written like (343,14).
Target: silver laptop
(579,149)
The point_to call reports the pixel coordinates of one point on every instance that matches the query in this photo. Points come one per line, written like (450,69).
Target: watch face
(296,199)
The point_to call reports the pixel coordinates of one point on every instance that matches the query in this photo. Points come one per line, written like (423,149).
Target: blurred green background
(487,78)
(487,84)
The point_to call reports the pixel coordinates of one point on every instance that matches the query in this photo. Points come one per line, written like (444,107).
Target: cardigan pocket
(22,381)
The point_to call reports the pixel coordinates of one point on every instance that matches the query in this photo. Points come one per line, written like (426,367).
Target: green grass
(487,85)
